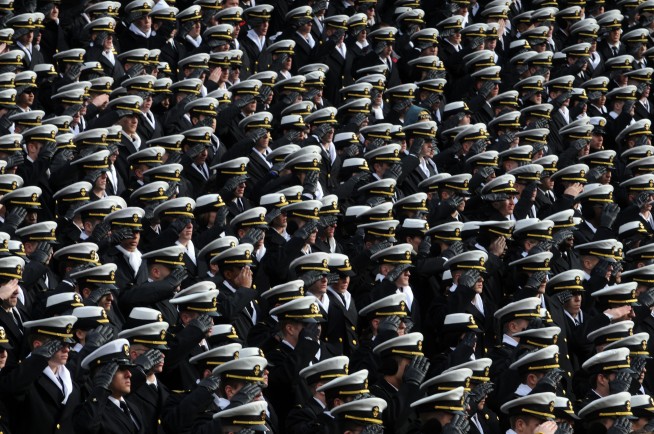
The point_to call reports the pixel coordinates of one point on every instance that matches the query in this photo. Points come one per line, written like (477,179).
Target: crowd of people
(315,217)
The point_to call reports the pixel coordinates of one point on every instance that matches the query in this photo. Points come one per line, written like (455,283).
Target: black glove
(310,183)
(92,176)
(647,298)
(389,324)
(211,383)
(561,236)
(310,331)
(105,375)
(352,150)
(469,340)
(564,428)
(323,130)
(221,216)
(195,151)
(42,252)
(63,156)
(528,191)
(425,246)
(595,174)
(559,100)
(252,236)
(487,88)
(393,172)
(245,395)
(15,159)
(332,278)
(73,71)
(311,277)
(564,296)
(536,279)
(395,273)
(264,93)
(494,197)
(180,224)
(505,141)
(48,349)
(100,232)
(121,234)
(15,217)
(100,38)
(136,70)
(452,203)
(176,276)
(457,248)
(242,102)
(622,425)
(478,147)
(637,366)
(292,135)
(458,425)
(478,394)
(203,322)
(99,336)
(373,429)
(327,220)
(416,146)
(257,134)
(551,380)
(642,199)
(307,230)
(416,371)
(617,269)
(375,248)
(622,381)
(74,270)
(469,279)
(601,268)
(609,214)
(149,359)
(628,105)
(174,158)
(227,191)
(336,36)
(48,150)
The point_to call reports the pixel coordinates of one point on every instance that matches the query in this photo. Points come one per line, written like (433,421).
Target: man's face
(121,384)
(144,24)
(129,123)
(61,356)
(26,98)
(3,358)
(131,244)
(106,301)
(240,190)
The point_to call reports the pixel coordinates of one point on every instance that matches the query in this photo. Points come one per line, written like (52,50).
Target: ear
(36,344)
(206,373)
(86,292)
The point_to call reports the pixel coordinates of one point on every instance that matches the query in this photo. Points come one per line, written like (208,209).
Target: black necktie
(128,412)
(615,50)
(63,388)
(239,205)
(17,320)
(153,387)
(342,298)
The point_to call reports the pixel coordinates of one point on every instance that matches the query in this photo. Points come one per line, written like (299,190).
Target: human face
(61,356)
(195,30)
(106,301)
(3,358)
(101,182)
(240,190)
(121,384)
(132,243)
(343,283)
(144,24)
(320,287)
(262,30)
(573,306)
(129,124)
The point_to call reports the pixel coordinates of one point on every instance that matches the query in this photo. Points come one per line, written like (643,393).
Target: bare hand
(215,74)
(548,427)
(498,247)
(575,189)
(244,278)
(621,313)
(8,289)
